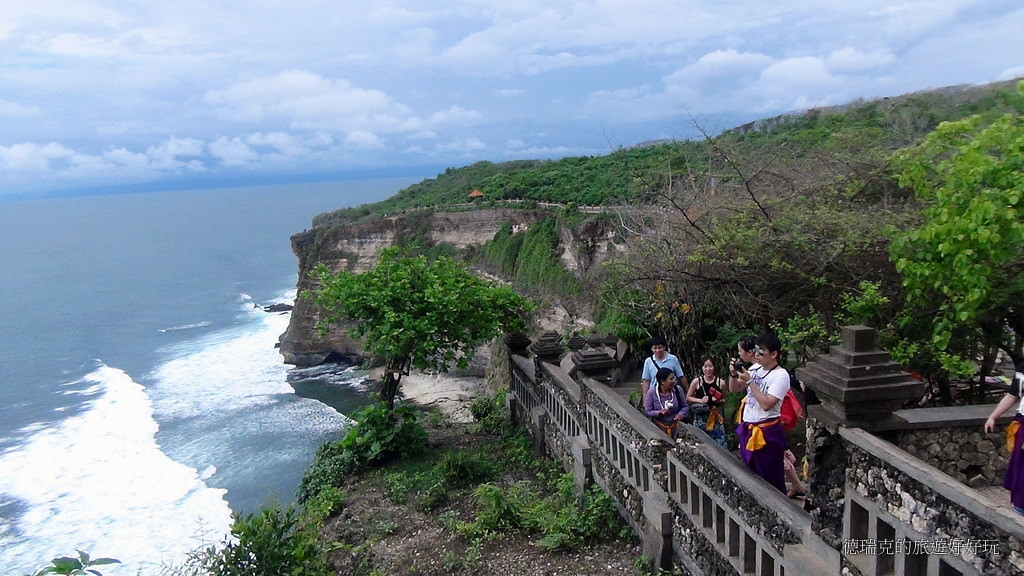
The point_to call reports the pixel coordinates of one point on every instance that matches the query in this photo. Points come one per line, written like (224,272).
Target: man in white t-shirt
(762,439)
(659,358)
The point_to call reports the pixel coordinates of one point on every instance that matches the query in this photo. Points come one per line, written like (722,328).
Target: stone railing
(692,503)
(873,509)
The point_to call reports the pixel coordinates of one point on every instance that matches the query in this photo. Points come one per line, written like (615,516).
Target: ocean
(143,399)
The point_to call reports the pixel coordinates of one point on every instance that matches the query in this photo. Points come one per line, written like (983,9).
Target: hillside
(785,224)
(628,175)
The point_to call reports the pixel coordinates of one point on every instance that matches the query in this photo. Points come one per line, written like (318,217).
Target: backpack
(791,411)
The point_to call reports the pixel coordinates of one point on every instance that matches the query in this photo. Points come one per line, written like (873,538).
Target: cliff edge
(354,247)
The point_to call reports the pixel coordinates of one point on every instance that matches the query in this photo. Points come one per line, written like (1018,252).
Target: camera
(738,365)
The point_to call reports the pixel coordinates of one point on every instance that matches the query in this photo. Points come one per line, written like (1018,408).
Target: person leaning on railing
(1014,480)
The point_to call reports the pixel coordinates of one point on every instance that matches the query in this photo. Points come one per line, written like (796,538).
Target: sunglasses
(760,352)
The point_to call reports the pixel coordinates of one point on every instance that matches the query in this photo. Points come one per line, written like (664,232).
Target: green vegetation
(415,312)
(529,259)
(82,565)
(805,223)
(963,266)
(270,542)
(381,434)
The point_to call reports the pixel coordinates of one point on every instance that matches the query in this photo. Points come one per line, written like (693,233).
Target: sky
(192,94)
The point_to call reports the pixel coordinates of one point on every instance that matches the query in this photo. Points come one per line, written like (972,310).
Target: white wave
(185,327)
(227,371)
(224,401)
(208,472)
(98,481)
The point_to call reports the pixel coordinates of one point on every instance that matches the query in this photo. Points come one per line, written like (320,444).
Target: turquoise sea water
(143,399)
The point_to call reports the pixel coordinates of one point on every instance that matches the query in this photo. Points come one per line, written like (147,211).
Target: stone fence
(874,508)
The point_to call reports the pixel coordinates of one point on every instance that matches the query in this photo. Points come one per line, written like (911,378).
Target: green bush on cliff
(380,435)
(271,542)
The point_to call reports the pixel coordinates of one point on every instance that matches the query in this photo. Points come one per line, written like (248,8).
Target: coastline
(451,395)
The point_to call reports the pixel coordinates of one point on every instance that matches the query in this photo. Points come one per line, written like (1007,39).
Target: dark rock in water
(278,308)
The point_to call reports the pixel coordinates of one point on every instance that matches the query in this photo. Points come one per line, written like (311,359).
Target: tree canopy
(963,266)
(415,312)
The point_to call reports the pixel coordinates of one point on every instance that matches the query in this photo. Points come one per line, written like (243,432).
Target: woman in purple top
(666,402)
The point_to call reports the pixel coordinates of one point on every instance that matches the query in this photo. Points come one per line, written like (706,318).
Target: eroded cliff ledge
(355,248)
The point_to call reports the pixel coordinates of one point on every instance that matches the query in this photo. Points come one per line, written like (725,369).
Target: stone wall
(695,505)
(903,498)
(953,440)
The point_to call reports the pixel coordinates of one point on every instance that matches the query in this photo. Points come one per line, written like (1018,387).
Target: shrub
(491,413)
(270,542)
(380,436)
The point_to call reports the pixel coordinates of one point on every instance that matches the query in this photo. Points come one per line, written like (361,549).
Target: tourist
(706,402)
(665,403)
(762,439)
(1014,397)
(659,358)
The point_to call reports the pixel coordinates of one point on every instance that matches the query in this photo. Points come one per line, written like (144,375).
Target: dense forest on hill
(800,223)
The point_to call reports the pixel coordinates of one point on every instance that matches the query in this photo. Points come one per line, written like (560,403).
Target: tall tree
(966,259)
(415,312)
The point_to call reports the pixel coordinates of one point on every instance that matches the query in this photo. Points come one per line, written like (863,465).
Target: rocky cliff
(355,248)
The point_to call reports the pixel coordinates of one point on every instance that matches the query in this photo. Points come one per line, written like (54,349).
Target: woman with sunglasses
(762,439)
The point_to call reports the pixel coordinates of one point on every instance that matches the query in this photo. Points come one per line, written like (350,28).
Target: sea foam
(98,482)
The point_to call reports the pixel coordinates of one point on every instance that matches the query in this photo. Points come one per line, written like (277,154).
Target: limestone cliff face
(355,248)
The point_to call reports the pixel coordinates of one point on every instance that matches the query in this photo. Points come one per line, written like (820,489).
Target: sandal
(794,493)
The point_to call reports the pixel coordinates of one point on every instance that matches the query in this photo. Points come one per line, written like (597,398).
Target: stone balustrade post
(859,386)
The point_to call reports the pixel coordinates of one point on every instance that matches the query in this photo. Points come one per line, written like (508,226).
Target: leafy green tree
(415,312)
(963,266)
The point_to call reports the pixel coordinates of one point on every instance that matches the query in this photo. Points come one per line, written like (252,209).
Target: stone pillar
(594,364)
(858,384)
(547,348)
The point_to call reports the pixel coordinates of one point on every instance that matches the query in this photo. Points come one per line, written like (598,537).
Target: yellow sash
(739,410)
(1011,435)
(669,429)
(756,440)
(714,418)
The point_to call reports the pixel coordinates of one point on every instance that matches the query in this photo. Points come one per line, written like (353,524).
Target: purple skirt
(766,461)
(1014,480)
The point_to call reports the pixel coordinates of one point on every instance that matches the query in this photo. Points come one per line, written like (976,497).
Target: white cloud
(455,115)
(30,157)
(306,101)
(463,146)
(232,151)
(364,140)
(92,89)
(170,149)
(1011,73)
(284,143)
(9,110)
(850,59)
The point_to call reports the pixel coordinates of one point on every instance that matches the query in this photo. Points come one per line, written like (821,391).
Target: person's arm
(651,405)
(683,409)
(1004,405)
(645,379)
(768,401)
(692,391)
(739,382)
(764,400)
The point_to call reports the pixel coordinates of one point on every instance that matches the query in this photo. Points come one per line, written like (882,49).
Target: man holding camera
(762,439)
